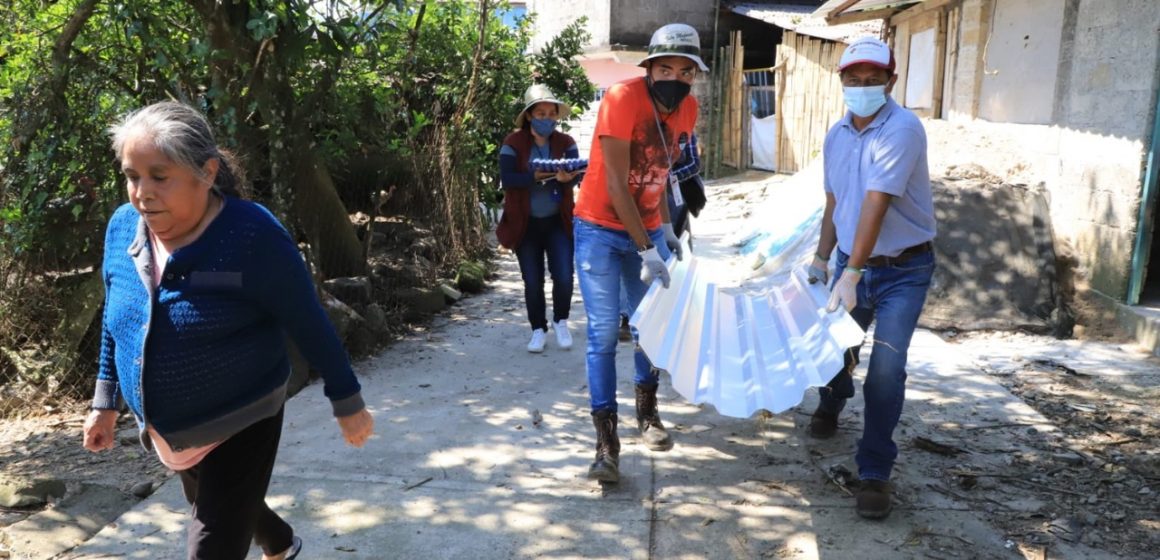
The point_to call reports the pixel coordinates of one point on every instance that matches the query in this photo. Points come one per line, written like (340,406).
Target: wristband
(647,246)
(821,258)
(861,270)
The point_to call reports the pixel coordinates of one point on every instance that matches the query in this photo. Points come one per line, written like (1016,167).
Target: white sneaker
(563,335)
(539,337)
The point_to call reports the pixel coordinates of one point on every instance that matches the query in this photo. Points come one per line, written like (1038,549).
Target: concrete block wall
(1105,105)
(1091,156)
(552,16)
(633,21)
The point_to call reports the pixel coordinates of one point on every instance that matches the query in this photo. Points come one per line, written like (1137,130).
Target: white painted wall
(552,16)
(1020,61)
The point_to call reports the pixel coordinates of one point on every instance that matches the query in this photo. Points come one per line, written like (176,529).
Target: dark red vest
(517,203)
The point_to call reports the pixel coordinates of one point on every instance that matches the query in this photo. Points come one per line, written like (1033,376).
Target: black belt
(902,257)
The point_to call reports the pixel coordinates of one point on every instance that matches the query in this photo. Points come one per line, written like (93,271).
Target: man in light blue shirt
(879,212)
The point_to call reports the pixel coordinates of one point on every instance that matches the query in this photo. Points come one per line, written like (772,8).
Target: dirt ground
(1097,477)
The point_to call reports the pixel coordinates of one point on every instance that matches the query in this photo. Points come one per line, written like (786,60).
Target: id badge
(675,185)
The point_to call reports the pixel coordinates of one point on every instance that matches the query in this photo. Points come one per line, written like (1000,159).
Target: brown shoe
(625,334)
(874,499)
(648,420)
(606,467)
(823,425)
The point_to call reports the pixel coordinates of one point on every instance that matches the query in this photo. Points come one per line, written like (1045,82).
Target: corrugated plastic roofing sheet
(740,350)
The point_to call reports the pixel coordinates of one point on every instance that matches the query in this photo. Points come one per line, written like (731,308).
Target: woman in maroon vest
(537,211)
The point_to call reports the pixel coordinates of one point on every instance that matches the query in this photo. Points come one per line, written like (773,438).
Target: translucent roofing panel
(743,350)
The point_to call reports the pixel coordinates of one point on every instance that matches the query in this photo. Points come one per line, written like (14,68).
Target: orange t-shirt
(627,113)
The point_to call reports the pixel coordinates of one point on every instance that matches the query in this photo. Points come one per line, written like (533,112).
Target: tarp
(763,140)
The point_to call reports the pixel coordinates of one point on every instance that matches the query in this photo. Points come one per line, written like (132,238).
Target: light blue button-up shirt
(889,156)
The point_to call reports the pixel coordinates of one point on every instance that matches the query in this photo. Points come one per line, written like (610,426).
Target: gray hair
(184,136)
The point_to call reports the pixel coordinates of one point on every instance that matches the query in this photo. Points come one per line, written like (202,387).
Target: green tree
(327,103)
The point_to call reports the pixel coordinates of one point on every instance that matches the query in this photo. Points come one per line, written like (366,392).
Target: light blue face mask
(864,101)
(544,127)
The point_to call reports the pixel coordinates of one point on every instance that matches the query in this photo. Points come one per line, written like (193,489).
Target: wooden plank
(902,61)
(919,10)
(940,49)
(840,8)
(855,17)
(952,55)
(784,52)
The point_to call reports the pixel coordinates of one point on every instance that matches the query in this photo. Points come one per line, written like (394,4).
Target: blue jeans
(546,236)
(606,258)
(892,296)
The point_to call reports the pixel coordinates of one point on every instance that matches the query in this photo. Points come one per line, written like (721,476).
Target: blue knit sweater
(203,356)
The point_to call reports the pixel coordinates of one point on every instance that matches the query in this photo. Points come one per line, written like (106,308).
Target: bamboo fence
(809,98)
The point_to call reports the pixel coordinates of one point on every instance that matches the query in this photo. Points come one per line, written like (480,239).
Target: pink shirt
(186,458)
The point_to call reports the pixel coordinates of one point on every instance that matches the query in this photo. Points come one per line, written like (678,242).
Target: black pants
(546,236)
(227,490)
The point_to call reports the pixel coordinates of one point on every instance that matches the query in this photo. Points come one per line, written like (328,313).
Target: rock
(376,317)
(1092,539)
(1066,528)
(471,276)
(341,315)
(1068,458)
(19,493)
(421,302)
(424,246)
(394,274)
(142,489)
(450,293)
(1133,432)
(351,291)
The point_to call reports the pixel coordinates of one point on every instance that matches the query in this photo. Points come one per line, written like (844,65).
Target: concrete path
(481,451)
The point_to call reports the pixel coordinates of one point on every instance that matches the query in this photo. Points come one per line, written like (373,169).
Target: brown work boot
(625,334)
(648,420)
(874,499)
(823,425)
(606,467)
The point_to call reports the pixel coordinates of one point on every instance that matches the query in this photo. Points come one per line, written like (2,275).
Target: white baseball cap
(867,50)
(675,39)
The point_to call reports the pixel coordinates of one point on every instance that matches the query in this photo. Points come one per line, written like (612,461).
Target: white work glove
(653,267)
(845,291)
(819,271)
(673,241)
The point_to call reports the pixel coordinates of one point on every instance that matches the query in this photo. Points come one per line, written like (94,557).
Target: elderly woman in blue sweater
(200,287)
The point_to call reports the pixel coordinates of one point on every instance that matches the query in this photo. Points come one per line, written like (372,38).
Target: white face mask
(864,101)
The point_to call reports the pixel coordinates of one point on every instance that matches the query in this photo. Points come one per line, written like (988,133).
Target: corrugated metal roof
(804,20)
(740,350)
(858,6)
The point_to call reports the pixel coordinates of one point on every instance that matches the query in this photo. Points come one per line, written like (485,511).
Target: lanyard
(672,179)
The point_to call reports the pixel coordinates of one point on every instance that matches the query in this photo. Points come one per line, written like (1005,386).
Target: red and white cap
(867,50)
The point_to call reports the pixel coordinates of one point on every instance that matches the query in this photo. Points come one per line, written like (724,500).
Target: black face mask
(669,93)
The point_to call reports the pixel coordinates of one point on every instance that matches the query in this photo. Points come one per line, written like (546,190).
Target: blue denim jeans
(606,258)
(892,297)
(546,236)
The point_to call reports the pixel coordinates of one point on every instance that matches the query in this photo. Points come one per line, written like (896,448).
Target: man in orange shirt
(622,228)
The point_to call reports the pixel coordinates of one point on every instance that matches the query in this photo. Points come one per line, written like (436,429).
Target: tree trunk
(302,189)
(323,218)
